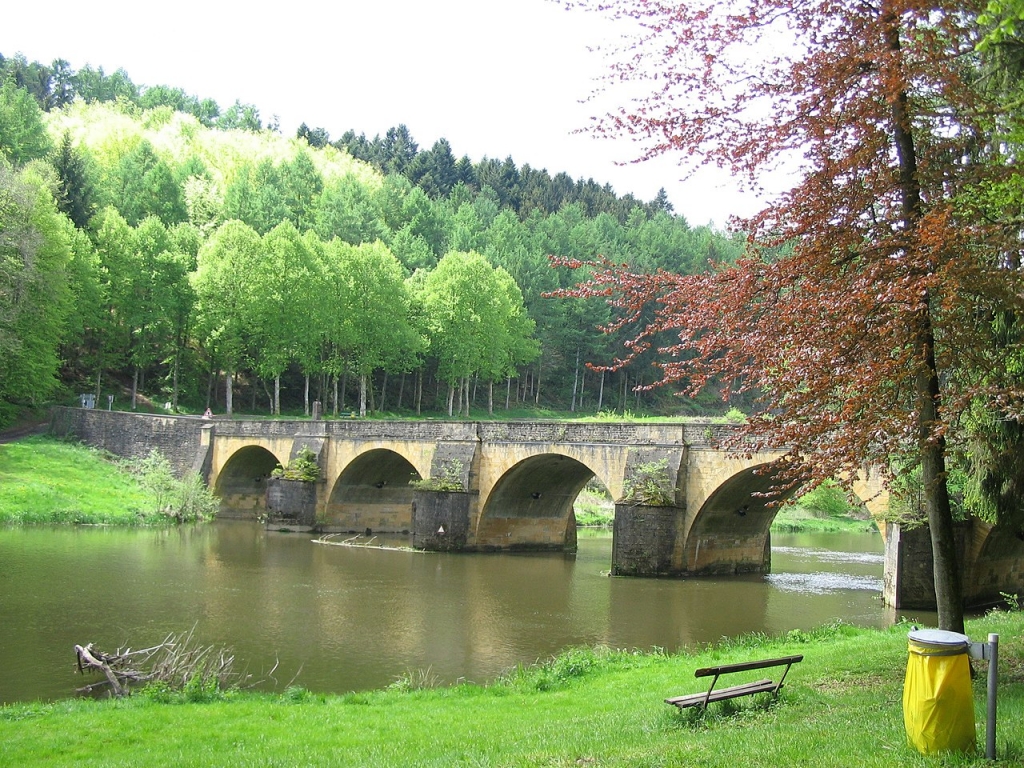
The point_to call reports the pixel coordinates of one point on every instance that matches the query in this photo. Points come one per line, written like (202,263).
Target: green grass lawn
(841,707)
(43,480)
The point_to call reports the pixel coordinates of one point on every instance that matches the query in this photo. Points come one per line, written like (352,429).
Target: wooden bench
(746,689)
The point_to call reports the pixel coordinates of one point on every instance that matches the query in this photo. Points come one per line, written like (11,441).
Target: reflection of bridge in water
(495,486)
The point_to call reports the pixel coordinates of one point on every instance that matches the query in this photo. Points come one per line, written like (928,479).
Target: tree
(222,294)
(476,320)
(370,307)
(35,295)
(142,185)
(75,192)
(854,340)
(22,133)
(278,303)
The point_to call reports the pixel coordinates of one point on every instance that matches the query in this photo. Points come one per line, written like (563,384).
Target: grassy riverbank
(841,707)
(43,480)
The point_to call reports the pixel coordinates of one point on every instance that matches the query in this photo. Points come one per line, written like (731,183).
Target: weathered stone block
(291,501)
(643,540)
(440,520)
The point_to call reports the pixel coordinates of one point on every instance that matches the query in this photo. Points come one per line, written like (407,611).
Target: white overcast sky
(493,77)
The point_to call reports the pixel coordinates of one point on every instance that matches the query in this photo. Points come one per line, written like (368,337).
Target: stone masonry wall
(134,435)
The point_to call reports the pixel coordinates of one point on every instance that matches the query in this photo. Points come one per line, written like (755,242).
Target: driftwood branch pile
(179,663)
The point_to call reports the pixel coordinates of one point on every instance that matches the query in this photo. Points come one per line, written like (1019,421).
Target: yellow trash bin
(938,705)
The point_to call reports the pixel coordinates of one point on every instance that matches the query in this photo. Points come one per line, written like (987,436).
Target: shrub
(303,467)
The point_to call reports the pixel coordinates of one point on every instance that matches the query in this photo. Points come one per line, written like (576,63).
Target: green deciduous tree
(22,134)
(477,322)
(222,293)
(35,292)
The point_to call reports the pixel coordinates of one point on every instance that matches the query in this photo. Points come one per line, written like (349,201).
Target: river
(339,618)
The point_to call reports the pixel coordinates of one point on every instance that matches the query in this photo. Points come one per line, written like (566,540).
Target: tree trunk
(135,385)
(946,568)
(229,385)
(174,379)
(931,440)
(99,383)
(600,393)
(451,399)
(335,393)
(419,391)
(362,395)
(575,381)
(277,395)
(305,398)
(490,398)
(508,391)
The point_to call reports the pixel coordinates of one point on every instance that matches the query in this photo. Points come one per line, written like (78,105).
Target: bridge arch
(531,504)
(372,492)
(241,482)
(730,532)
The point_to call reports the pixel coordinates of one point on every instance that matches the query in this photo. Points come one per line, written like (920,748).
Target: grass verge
(587,707)
(43,480)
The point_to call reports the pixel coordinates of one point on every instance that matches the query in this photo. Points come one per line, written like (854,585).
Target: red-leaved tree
(862,316)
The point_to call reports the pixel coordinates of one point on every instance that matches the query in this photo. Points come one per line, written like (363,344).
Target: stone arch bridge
(491,486)
(500,486)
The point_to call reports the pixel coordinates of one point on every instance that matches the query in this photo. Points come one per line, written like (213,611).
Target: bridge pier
(440,520)
(644,540)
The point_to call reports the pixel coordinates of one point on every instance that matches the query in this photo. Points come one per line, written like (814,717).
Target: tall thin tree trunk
(401,391)
(490,398)
(931,439)
(99,383)
(334,410)
(229,395)
(419,391)
(383,394)
(600,393)
(451,399)
(508,391)
(305,398)
(344,385)
(135,386)
(575,380)
(174,379)
(277,395)
(362,395)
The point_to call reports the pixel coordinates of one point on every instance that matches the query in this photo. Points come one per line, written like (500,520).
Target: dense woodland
(159,248)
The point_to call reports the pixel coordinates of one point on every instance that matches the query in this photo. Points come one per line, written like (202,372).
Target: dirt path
(19,431)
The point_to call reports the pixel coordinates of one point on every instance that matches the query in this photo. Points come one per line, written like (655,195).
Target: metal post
(990,709)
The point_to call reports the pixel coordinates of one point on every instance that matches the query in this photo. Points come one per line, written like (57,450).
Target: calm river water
(342,618)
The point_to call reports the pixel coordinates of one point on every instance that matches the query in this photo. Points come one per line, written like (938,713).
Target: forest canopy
(193,255)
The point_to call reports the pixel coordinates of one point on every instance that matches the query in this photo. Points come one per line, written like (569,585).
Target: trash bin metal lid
(938,642)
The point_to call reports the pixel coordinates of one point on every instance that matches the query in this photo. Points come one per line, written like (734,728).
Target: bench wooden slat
(721,694)
(745,666)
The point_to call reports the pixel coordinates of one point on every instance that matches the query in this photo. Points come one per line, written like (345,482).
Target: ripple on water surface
(821,583)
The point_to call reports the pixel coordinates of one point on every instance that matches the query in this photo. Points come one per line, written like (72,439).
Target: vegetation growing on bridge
(649,484)
(448,478)
(303,467)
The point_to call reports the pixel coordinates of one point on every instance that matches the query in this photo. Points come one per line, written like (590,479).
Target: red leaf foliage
(862,316)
